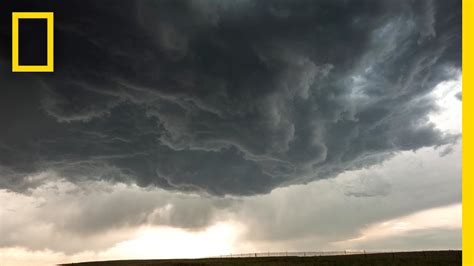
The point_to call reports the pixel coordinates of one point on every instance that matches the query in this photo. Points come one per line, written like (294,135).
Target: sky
(198,128)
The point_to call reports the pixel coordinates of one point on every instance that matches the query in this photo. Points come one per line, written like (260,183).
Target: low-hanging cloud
(221,97)
(61,216)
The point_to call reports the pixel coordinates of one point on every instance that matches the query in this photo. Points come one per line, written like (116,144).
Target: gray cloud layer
(64,217)
(226,97)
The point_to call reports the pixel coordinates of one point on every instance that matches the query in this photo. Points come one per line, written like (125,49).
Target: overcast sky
(201,128)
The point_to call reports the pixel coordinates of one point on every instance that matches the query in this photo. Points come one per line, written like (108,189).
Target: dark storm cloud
(226,97)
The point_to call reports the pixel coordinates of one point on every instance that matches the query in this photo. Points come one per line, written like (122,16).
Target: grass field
(431,258)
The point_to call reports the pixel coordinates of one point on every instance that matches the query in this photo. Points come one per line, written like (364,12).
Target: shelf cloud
(226,97)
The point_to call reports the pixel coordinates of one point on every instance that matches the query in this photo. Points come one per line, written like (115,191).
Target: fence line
(314,253)
(292,254)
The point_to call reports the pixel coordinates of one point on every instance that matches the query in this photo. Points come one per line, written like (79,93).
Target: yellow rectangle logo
(49,67)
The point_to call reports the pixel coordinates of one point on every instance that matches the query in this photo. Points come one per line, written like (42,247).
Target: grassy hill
(432,258)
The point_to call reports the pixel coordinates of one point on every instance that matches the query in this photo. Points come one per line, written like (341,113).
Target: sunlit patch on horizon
(168,242)
(448,217)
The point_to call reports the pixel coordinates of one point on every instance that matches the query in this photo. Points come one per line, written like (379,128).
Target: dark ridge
(418,258)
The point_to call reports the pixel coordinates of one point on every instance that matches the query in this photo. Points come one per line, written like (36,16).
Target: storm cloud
(225,97)
(332,214)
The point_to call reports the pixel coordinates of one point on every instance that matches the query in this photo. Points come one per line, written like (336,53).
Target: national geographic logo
(32,42)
